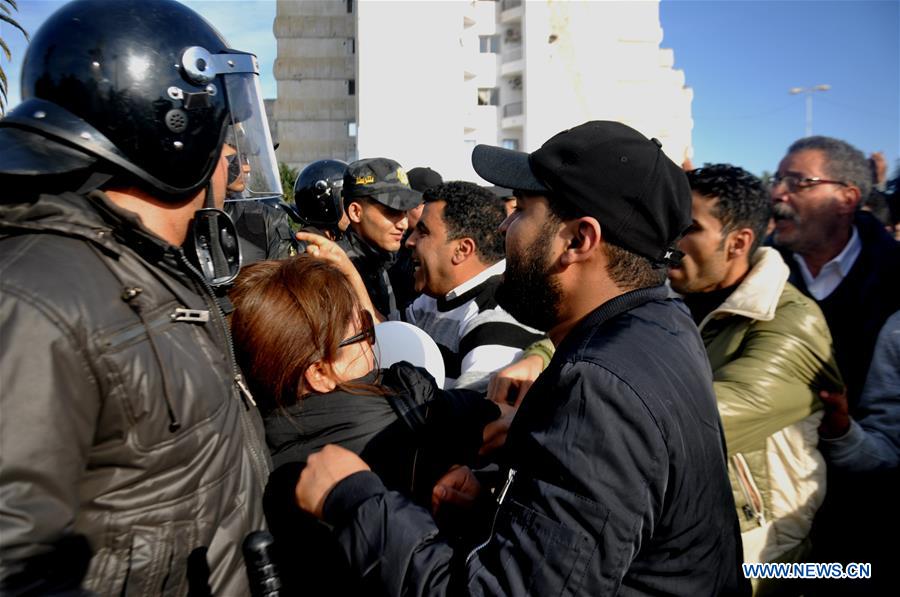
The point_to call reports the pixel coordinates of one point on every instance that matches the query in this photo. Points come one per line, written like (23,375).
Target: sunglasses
(367,333)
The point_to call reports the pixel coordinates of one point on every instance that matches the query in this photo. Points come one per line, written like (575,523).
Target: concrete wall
(316,62)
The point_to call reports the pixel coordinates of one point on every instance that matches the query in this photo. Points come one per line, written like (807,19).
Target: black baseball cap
(611,172)
(382,179)
(423,178)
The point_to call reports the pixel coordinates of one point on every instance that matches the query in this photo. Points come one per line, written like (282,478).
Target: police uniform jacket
(131,463)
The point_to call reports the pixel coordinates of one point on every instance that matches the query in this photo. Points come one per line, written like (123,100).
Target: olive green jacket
(771,352)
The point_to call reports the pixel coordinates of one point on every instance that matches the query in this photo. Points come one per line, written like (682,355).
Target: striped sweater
(475,335)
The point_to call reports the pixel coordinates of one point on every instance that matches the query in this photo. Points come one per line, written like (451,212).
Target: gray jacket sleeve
(873,440)
(48,407)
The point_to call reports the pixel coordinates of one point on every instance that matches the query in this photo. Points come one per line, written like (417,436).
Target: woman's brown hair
(288,315)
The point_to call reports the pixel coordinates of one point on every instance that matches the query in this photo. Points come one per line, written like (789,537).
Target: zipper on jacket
(259,459)
(211,296)
(190,315)
(177,315)
(502,496)
(750,490)
(242,386)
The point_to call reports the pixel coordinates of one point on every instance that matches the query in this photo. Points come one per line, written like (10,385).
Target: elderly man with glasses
(838,255)
(843,258)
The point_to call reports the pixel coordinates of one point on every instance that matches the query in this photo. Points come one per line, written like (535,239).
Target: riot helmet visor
(248,135)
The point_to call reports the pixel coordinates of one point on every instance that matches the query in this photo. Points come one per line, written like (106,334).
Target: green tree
(6,17)
(288,176)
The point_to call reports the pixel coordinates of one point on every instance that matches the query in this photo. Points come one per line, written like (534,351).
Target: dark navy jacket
(861,303)
(618,478)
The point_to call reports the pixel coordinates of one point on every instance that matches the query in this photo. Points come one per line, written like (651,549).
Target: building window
(349,6)
(351,128)
(489,44)
(350,44)
(351,86)
(510,144)
(488,96)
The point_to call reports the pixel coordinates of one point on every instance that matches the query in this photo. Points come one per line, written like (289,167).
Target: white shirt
(475,335)
(832,273)
(494,270)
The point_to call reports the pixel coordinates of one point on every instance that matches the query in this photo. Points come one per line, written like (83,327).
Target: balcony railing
(513,54)
(512,109)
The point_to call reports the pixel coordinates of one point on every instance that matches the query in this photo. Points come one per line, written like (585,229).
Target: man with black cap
(377,196)
(421,179)
(617,480)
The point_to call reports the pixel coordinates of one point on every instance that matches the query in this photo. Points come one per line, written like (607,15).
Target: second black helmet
(318,193)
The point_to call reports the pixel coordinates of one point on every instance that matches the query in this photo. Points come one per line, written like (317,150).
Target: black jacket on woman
(409,437)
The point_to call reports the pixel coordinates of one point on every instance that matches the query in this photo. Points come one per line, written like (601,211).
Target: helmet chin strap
(217,250)
(94,182)
(212,243)
(210,201)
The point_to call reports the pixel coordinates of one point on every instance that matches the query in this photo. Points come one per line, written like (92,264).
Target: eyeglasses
(796,184)
(367,333)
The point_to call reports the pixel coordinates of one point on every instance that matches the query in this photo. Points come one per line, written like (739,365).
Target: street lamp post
(809,93)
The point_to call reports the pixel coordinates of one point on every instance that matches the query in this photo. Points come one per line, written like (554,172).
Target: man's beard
(527,291)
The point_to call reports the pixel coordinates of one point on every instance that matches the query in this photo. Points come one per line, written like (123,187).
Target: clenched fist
(325,469)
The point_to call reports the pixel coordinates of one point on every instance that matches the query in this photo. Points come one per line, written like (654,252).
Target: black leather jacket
(372,264)
(264,231)
(122,422)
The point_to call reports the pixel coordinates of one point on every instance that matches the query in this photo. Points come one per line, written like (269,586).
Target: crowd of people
(654,373)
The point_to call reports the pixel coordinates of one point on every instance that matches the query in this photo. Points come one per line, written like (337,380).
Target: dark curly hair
(471,211)
(743,201)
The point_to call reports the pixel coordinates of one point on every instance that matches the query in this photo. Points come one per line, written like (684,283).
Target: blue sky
(739,56)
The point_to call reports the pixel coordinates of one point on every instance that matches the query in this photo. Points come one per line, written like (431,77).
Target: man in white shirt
(458,258)
(844,259)
(840,256)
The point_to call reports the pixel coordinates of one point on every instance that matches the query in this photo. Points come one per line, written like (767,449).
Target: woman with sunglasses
(305,345)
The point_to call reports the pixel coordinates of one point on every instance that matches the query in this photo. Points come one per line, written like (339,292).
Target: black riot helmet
(145,90)
(317,194)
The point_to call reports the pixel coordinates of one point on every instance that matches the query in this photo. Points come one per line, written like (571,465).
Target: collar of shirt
(832,273)
(497,268)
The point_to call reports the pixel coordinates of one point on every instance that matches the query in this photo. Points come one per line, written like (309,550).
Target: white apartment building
(423,82)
